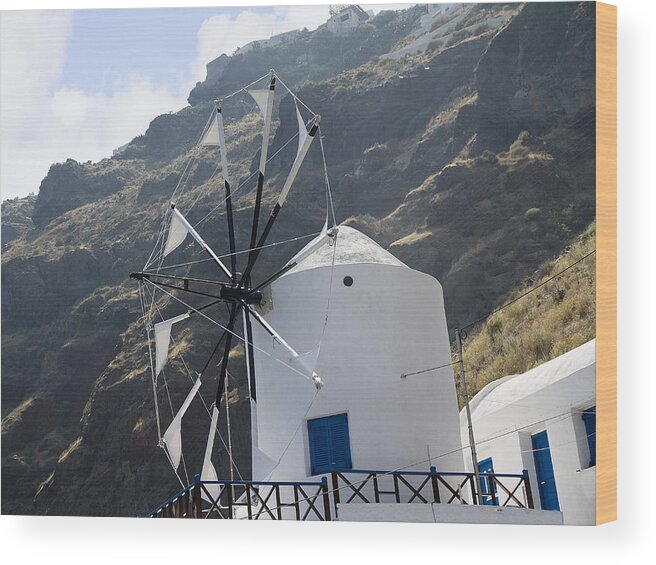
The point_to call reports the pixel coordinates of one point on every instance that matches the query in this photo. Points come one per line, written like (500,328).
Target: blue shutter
(590,421)
(339,442)
(544,471)
(319,445)
(329,444)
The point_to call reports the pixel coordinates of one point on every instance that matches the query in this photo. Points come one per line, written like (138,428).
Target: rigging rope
(243,88)
(200,192)
(241,252)
(160,258)
(202,398)
(153,377)
(229,331)
(323,333)
(243,183)
(296,98)
(327,181)
(157,257)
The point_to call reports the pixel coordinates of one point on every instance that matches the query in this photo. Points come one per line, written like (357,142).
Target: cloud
(101,123)
(32,52)
(224,33)
(42,123)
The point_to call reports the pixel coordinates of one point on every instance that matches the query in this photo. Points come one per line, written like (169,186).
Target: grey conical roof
(352,247)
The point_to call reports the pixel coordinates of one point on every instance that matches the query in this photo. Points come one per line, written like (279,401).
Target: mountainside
(473,161)
(546,317)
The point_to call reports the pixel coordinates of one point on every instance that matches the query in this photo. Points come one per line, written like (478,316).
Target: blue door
(545,472)
(330,446)
(590,421)
(485,468)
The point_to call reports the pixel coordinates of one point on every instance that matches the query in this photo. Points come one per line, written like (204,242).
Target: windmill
(326,338)
(231,288)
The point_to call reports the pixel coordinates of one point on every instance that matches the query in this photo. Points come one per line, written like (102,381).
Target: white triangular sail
(178,231)
(305,139)
(215,135)
(212,133)
(262,99)
(208,473)
(177,234)
(163,339)
(173,435)
(222,147)
(308,360)
(302,130)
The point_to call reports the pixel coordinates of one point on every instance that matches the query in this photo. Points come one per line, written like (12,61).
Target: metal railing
(294,500)
(496,489)
(248,500)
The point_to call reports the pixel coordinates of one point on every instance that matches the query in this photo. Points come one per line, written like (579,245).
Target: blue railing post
(527,486)
(326,498)
(196,502)
(436,488)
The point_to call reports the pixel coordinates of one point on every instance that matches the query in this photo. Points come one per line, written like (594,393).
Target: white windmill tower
(364,318)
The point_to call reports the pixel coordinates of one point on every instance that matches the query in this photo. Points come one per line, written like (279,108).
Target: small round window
(348,281)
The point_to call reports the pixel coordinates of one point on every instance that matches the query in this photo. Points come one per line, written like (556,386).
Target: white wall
(555,408)
(390,321)
(337,25)
(446,514)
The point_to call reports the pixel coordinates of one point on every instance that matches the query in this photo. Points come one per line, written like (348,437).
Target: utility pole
(465,396)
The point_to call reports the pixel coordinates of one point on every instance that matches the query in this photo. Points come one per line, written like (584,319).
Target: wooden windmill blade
(305,140)
(237,292)
(265,101)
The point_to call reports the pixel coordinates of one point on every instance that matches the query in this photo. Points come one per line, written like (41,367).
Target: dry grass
(69,450)
(541,326)
(16,415)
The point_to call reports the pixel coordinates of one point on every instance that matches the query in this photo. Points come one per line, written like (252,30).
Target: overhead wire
(533,289)
(492,312)
(557,418)
(405,375)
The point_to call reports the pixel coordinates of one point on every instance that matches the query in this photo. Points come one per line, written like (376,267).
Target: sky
(80,83)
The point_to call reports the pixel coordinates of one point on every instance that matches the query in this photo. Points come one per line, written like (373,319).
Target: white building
(543,421)
(383,319)
(346,19)
(273,41)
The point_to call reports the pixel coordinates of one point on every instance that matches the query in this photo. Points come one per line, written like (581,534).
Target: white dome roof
(352,247)
(508,390)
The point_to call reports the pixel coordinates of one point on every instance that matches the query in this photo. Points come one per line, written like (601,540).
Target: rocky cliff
(472,161)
